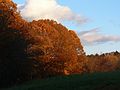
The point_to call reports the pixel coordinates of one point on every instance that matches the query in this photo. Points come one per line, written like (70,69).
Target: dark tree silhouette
(13,45)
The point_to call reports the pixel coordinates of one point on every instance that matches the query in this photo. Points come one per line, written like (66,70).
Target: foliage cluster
(104,62)
(37,49)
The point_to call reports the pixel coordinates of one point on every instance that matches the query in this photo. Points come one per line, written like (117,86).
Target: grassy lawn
(96,81)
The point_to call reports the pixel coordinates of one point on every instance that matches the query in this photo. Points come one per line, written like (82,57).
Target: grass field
(96,81)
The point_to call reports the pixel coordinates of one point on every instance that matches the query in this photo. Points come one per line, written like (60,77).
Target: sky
(97,22)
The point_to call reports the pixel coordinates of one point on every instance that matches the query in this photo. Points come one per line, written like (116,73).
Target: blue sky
(102,15)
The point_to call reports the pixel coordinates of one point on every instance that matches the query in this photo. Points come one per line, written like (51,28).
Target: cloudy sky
(97,22)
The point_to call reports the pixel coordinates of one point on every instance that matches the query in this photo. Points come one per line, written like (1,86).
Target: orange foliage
(104,63)
(36,49)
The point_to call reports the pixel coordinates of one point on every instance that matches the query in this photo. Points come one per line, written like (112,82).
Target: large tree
(36,49)
(61,48)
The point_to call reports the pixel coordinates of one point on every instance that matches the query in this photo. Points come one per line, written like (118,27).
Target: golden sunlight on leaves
(37,49)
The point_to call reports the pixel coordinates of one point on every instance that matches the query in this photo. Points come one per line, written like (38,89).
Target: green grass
(96,81)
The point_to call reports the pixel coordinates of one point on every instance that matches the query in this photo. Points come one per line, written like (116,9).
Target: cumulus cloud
(94,37)
(48,9)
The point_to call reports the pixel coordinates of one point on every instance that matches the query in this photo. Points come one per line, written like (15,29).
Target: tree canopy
(36,49)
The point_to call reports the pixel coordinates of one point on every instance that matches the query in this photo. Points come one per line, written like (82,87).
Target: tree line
(104,63)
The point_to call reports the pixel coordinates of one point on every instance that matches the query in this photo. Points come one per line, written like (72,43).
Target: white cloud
(48,9)
(94,37)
